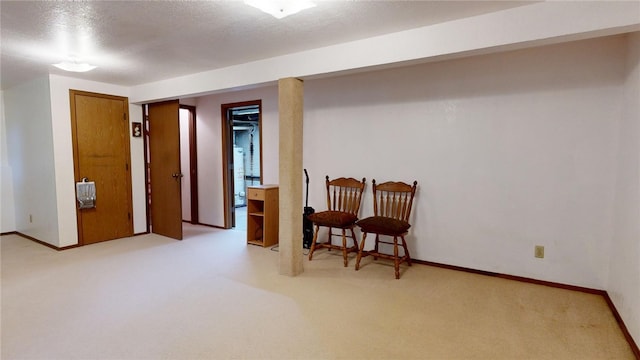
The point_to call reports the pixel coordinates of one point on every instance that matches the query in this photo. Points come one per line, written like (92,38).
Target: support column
(290,107)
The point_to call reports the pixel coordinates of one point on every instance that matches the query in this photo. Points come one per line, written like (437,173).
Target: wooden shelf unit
(262,215)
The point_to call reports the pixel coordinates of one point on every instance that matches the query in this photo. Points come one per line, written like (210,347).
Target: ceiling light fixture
(74,66)
(280,8)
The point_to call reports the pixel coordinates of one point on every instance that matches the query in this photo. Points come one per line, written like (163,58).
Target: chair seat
(330,218)
(383,225)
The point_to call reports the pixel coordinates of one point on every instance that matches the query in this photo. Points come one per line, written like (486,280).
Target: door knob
(177,175)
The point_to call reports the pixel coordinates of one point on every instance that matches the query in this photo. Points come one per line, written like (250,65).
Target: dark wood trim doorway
(102,156)
(227,156)
(193,162)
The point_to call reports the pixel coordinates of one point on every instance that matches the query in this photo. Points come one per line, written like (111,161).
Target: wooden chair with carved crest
(392,202)
(344,196)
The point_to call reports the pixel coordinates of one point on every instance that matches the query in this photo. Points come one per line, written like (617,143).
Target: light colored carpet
(211,296)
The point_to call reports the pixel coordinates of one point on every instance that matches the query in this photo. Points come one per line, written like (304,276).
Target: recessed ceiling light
(280,8)
(74,66)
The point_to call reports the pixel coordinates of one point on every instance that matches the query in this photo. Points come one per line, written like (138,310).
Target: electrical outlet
(539,252)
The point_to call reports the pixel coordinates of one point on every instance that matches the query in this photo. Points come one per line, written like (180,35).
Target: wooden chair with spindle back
(392,202)
(344,196)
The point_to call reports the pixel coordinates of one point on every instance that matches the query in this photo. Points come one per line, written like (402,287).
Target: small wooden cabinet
(262,215)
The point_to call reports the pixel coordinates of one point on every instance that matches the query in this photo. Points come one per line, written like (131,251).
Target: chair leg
(344,247)
(406,251)
(395,257)
(313,243)
(355,241)
(375,249)
(329,239)
(364,236)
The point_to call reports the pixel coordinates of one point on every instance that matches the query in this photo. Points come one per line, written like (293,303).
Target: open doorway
(242,162)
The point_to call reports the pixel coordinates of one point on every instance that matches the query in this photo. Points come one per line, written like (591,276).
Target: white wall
(40,156)
(7,212)
(138,185)
(63,152)
(509,150)
(533,25)
(30,157)
(624,276)
(209,143)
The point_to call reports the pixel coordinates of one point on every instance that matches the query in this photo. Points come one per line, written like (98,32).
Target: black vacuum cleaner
(307,225)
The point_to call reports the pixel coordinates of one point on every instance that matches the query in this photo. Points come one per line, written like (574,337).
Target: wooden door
(100,136)
(164,169)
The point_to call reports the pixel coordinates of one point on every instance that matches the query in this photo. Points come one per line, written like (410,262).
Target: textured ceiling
(135,42)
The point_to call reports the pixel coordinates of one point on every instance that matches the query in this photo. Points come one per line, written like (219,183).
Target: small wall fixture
(280,8)
(136,129)
(74,66)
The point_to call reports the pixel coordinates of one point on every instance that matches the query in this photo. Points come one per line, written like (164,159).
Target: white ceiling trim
(526,26)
